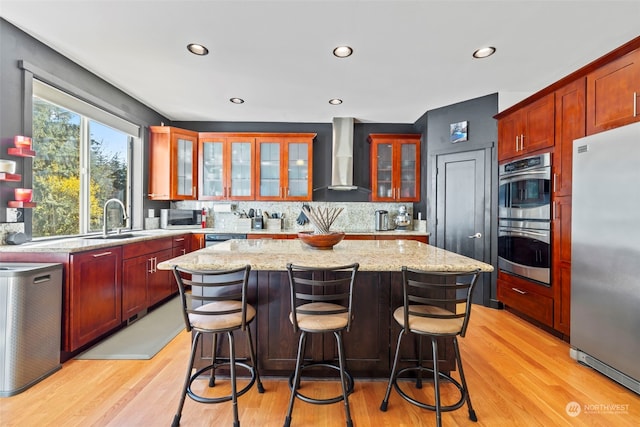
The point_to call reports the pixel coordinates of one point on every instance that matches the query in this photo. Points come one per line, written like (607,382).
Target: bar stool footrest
(405,396)
(327,401)
(220,399)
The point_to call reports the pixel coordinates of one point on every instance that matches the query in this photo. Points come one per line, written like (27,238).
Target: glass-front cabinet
(395,167)
(284,169)
(226,162)
(174,151)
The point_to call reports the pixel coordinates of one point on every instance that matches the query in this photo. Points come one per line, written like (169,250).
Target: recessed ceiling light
(483,52)
(335,101)
(237,100)
(197,49)
(342,51)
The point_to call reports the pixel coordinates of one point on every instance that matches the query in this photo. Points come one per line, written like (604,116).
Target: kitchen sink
(113,236)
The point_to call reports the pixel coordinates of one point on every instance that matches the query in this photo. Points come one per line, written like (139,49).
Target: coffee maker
(382,221)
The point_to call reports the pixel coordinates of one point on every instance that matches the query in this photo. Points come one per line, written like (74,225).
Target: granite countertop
(86,243)
(372,255)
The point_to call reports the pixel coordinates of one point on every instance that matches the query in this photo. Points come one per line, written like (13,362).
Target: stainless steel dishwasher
(30,319)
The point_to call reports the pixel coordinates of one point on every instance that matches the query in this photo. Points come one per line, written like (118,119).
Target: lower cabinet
(143,285)
(94,304)
(526,297)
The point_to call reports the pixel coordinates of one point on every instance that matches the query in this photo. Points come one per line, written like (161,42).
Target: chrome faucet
(104,215)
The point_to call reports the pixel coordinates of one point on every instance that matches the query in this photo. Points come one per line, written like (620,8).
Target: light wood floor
(518,376)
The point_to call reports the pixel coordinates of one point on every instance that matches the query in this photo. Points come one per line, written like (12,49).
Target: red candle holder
(22,141)
(23,194)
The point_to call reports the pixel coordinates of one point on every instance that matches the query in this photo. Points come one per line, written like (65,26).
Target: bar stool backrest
(332,285)
(201,287)
(449,292)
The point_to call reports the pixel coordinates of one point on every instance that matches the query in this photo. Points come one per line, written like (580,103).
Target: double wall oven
(524,218)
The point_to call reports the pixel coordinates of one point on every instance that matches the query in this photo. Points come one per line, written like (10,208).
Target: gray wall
(483,135)
(15,97)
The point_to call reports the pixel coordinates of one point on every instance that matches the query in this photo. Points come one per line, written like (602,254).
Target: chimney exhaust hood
(342,155)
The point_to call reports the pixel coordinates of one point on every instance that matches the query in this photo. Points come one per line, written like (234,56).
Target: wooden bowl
(321,241)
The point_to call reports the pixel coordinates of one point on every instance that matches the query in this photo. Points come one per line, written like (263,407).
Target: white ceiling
(409,56)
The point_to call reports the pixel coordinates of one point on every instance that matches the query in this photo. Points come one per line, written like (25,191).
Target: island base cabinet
(366,344)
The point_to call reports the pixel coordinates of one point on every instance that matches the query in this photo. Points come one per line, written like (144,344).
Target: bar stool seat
(214,302)
(321,303)
(432,302)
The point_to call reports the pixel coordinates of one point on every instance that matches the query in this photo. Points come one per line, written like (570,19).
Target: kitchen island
(377,292)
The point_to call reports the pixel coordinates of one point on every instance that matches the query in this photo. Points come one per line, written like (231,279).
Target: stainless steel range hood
(342,155)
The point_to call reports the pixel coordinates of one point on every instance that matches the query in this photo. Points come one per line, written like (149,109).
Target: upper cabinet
(612,94)
(284,167)
(527,130)
(174,151)
(227,166)
(395,167)
(570,125)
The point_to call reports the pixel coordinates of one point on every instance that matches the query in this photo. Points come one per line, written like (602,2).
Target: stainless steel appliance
(382,220)
(525,188)
(524,218)
(524,249)
(214,239)
(605,254)
(30,316)
(403,219)
(180,218)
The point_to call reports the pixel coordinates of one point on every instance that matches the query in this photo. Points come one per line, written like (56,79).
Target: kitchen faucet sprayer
(104,214)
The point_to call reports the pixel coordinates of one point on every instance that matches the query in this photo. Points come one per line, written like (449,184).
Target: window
(81,163)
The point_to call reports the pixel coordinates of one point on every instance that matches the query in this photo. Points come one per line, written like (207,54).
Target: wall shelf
(4,176)
(21,152)
(20,204)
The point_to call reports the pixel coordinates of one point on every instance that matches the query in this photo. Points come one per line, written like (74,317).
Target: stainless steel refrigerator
(605,254)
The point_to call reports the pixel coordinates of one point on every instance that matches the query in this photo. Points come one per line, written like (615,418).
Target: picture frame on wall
(459,131)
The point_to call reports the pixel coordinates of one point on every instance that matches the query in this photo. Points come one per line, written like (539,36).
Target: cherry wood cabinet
(227,166)
(527,130)
(94,304)
(395,167)
(173,168)
(561,269)
(526,297)
(197,241)
(613,92)
(284,169)
(570,124)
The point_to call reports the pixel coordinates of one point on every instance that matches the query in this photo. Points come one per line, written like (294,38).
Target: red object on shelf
(23,194)
(21,152)
(22,141)
(4,176)
(19,204)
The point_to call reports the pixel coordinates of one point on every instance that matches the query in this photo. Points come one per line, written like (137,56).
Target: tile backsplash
(355,216)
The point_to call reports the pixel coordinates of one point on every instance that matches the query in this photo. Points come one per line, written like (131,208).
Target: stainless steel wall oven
(524,227)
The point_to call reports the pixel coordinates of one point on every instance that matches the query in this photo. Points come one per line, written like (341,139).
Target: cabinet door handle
(517,140)
(635,104)
(150,270)
(102,254)
(521,292)
(184,251)
(180,239)
(522,142)
(554,182)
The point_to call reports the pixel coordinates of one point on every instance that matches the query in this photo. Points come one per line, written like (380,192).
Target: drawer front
(148,246)
(526,301)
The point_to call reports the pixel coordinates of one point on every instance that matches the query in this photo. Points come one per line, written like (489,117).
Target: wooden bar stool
(215,302)
(436,305)
(321,303)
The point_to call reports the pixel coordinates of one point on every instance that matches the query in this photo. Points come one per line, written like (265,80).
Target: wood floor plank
(517,375)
